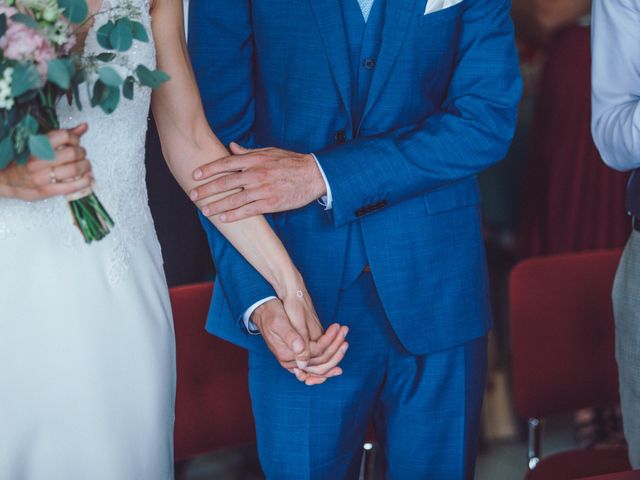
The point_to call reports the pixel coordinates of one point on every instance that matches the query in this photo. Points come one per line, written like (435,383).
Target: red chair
(213,409)
(563,352)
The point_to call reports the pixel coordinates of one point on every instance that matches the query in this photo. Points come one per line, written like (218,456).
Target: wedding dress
(87,355)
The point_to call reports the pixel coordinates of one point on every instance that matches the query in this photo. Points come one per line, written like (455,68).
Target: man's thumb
(299,348)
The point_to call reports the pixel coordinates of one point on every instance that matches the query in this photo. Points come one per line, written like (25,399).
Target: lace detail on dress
(115,145)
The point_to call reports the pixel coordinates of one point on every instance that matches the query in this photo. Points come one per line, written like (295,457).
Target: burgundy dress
(572,200)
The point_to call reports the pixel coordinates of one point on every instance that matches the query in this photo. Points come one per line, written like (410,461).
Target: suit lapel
(397,18)
(328,15)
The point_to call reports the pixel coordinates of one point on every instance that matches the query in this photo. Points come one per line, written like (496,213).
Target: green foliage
(121,37)
(59,72)
(26,20)
(139,32)
(111,100)
(119,34)
(7,152)
(40,147)
(3,24)
(103,34)
(25,78)
(110,77)
(151,78)
(76,11)
(29,125)
(106,57)
(127,88)
(99,93)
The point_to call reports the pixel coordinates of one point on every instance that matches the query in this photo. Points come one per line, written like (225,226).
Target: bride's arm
(187,143)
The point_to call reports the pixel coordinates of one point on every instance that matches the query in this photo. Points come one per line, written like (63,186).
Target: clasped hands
(272,180)
(68,173)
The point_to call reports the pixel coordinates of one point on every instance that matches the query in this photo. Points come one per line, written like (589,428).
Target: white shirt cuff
(326,200)
(246,318)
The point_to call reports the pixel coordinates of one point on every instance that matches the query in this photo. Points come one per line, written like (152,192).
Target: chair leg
(367,464)
(534,442)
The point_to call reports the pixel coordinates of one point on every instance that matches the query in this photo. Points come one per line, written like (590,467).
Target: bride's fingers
(309,380)
(80,129)
(323,350)
(63,173)
(322,342)
(333,362)
(72,186)
(60,138)
(67,155)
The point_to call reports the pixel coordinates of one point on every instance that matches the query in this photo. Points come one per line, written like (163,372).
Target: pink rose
(8,11)
(23,43)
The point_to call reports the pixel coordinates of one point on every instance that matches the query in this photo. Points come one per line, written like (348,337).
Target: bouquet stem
(89,215)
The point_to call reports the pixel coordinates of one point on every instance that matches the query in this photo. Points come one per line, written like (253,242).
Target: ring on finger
(52,176)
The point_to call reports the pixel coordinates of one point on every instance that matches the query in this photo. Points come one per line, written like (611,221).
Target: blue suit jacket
(441,108)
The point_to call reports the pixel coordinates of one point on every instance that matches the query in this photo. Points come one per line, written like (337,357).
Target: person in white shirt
(616,131)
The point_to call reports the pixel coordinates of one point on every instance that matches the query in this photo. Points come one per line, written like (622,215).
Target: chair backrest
(562,333)
(213,408)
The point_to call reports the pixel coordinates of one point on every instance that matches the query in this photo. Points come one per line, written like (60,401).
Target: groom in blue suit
(379,114)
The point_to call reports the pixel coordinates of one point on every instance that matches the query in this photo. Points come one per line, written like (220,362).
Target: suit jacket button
(341,137)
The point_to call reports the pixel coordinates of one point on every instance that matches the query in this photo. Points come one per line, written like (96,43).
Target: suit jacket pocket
(449,13)
(462,194)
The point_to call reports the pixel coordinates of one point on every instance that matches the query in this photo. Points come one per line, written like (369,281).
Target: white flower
(59,33)
(6,99)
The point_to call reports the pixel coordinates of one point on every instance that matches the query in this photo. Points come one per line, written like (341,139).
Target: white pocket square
(437,5)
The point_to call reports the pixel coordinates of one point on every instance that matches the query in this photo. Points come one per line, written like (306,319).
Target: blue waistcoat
(363,39)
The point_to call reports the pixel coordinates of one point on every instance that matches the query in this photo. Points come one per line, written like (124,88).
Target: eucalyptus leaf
(151,78)
(127,88)
(7,152)
(75,10)
(106,57)
(103,34)
(25,20)
(25,78)
(22,157)
(110,77)
(99,93)
(110,102)
(3,24)
(40,147)
(139,32)
(29,124)
(161,77)
(121,37)
(76,97)
(79,77)
(58,73)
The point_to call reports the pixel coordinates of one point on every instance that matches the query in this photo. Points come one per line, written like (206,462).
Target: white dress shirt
(616,82)
(327,202)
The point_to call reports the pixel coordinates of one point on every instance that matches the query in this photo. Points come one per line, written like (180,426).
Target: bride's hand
(326,349)
(70,172)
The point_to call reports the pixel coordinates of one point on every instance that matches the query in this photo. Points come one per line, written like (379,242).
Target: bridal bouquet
(38,67)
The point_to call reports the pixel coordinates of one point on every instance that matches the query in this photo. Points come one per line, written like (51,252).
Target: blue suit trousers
(426,408)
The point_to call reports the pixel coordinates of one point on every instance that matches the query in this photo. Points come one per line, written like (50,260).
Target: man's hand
(288,345)
(271,180)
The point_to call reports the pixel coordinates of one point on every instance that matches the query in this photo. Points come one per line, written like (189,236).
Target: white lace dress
(87,356)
